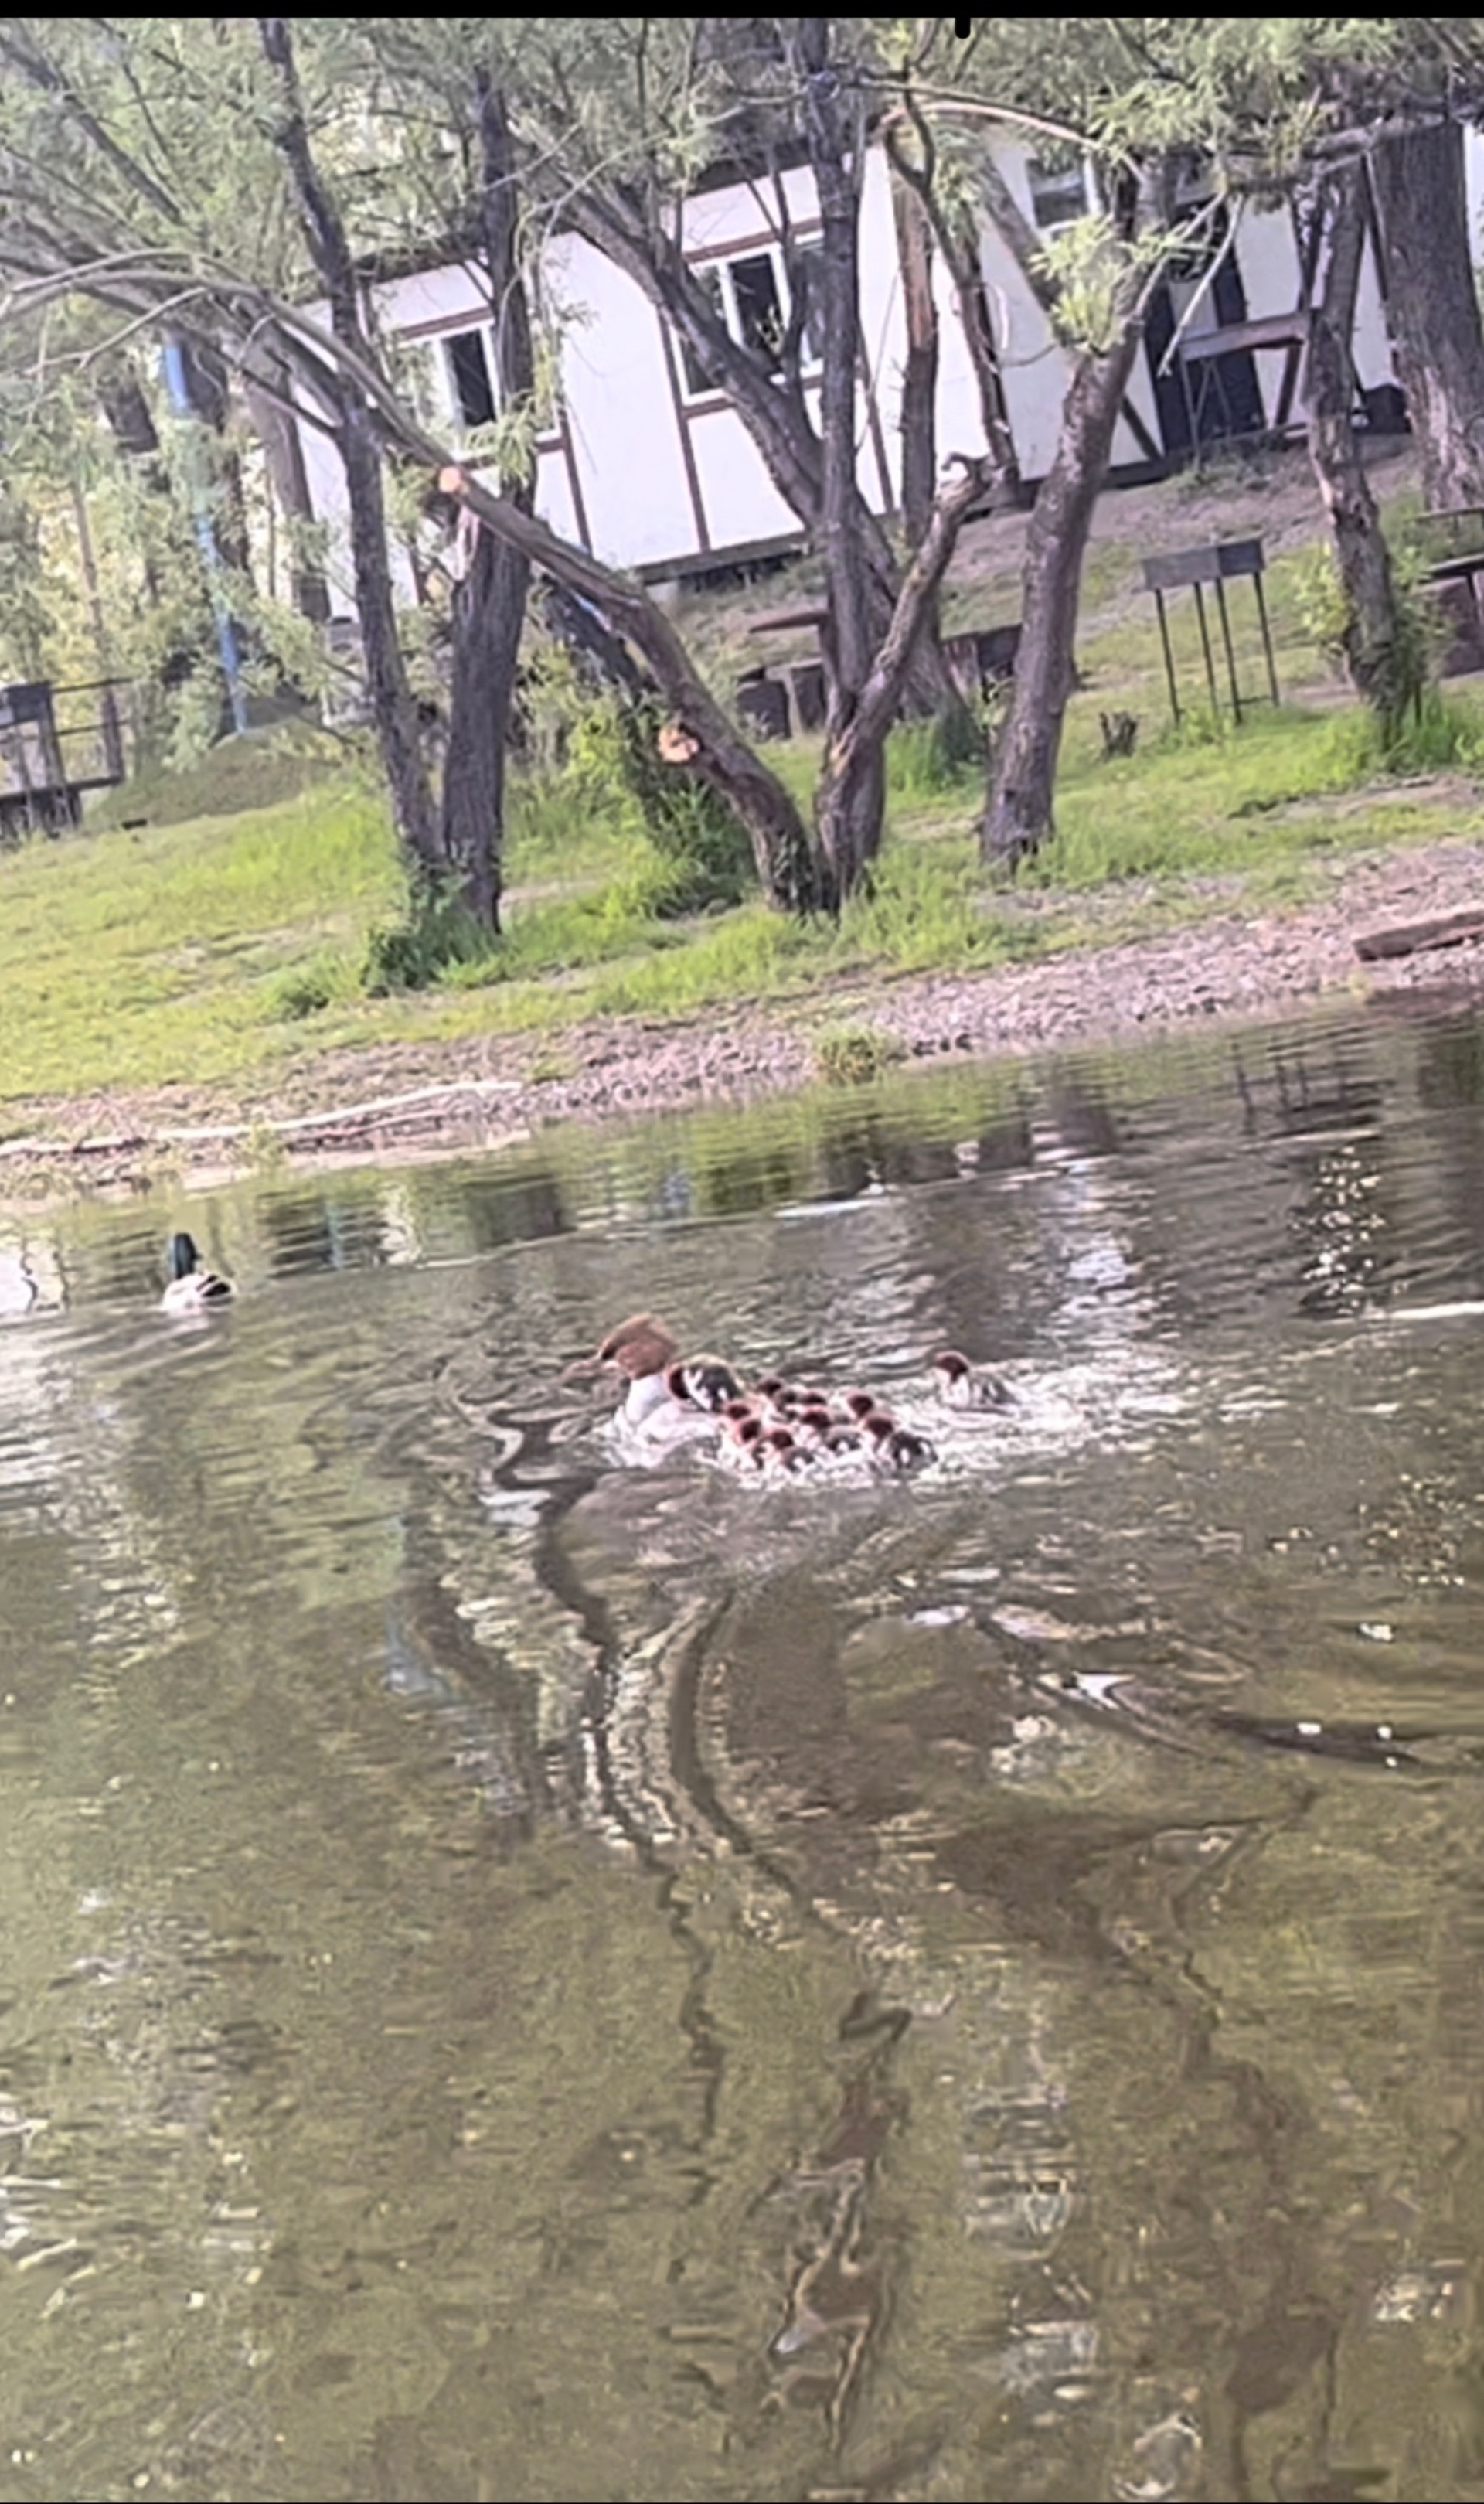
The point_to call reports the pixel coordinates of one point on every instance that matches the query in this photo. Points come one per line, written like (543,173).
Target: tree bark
(1381,658)
(773,410)
(1433,306)
(855,802)
(392,707)
(1018,812)
(960,258)
(490,604)
(781,846)
(919,370)
(848,798)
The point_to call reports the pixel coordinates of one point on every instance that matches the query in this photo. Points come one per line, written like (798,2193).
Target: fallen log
(416,1105)
(1447,930)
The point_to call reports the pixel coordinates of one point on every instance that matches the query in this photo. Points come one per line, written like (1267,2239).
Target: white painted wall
(628,437)
(620,411)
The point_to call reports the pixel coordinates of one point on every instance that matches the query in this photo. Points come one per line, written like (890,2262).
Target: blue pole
(174,364)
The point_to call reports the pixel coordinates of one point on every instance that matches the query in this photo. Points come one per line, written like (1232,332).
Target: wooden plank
(1408,939)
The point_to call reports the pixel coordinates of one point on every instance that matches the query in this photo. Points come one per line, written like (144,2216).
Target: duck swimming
(192,1287)
(773,1426)
(669,1398)
(960,1386)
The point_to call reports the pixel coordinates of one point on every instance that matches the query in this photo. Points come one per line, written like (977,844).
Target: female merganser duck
(192,1287)
(668,1398)
(962,1386)
(644,1352)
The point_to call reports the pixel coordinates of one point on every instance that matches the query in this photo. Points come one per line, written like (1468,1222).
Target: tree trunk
(1433,306)
(284,453)
(1381,658)
(209,391)
(702,733)
(850,795)
(958,244)
(773,411)
(393,708)
(920,372)
(850,826)
(1017,814)
(490,604)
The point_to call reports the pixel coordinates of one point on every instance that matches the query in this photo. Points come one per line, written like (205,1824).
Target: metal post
(174,364)
(111,726)
(1220,601)
(1206,646)
(1267,641)
(1169,658)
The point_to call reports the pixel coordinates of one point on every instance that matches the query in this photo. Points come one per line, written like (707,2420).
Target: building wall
(651,470)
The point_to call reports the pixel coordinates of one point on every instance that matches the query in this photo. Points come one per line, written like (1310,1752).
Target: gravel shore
(1232,964)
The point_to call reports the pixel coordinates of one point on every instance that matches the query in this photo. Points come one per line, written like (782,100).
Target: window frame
(437,338)
(1042,178)
(719,262)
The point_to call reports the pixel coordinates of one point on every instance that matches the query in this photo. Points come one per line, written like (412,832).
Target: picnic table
(980,659)
(1456,533)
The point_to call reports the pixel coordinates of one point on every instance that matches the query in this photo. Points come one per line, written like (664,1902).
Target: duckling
(742,1436)
(893,1446)
(781,1456)
(708,1384)
(192,1287)
(962,1386)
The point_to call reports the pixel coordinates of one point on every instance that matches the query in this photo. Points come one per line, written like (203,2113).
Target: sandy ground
(491,1092)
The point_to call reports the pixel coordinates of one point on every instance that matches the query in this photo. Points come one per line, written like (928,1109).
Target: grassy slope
(188,952)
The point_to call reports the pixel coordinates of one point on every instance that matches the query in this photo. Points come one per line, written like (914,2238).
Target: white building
(650,468)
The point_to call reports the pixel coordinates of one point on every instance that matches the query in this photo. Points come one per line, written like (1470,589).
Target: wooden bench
(1455,532)
(980,660)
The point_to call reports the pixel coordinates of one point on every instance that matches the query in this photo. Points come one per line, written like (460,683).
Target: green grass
(204,951)
(140,958)
(228,940)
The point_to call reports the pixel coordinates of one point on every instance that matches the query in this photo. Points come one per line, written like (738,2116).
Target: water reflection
(528,1977)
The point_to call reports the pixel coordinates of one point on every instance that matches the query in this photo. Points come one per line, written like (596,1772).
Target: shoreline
(388,1102)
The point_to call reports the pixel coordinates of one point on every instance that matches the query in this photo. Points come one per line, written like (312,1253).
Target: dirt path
(486,1092)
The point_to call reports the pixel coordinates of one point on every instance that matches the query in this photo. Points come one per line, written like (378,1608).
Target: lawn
(219,947)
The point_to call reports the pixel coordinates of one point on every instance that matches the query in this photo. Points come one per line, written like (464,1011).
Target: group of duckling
(773,1427)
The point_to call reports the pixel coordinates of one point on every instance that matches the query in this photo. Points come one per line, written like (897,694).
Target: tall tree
(1432,304)
(490,604)
(622,115)
(1381,657)
(393,706)
(1022,778)
(919,370)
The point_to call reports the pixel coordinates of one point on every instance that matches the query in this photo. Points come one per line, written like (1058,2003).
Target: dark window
(697,382)
(468,369)
(759,313)
(1058,194)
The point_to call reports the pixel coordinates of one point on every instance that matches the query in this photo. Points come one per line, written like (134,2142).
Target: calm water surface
(525,1977)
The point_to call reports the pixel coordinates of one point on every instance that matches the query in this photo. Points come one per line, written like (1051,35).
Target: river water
(529,1976)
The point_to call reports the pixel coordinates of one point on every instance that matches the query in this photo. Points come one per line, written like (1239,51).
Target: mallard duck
(192,1287)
